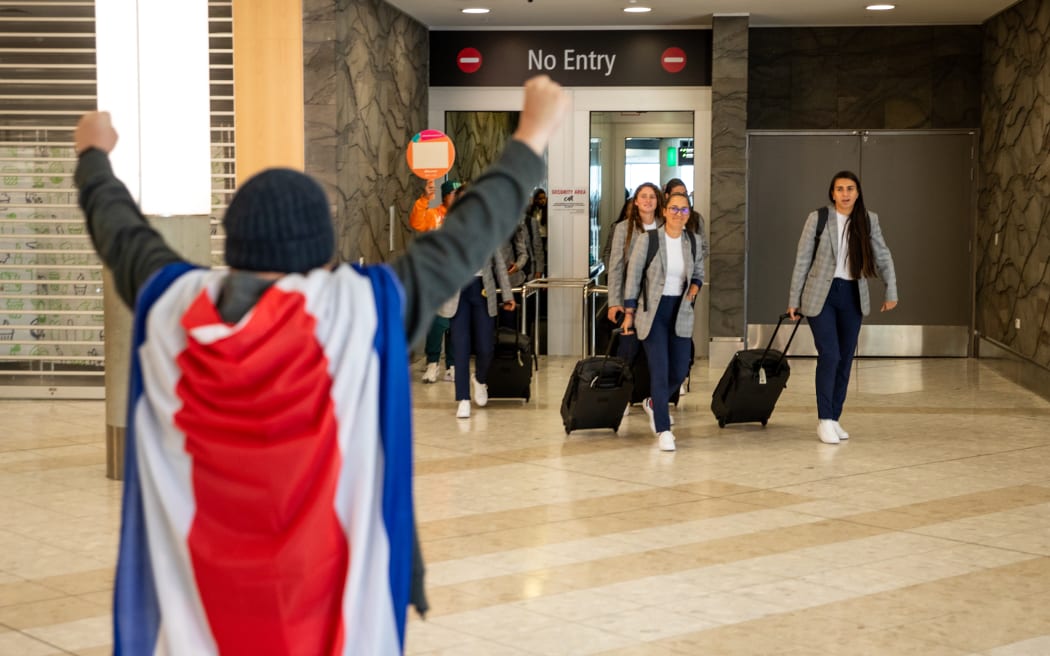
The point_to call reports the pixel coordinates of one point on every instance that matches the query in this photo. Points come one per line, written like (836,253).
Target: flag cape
(267,488)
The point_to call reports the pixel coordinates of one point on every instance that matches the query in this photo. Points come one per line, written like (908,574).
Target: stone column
(728,192)
(190,236)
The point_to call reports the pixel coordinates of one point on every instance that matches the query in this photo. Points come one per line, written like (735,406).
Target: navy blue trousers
(473,330)
(835,332)
(668,356)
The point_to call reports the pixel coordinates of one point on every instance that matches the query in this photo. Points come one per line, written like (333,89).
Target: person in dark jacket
(268,481)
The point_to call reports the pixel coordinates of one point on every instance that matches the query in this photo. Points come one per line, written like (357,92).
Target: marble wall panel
(365,79)
(729,106)
(480,138)
(319,93)
(864,78)
(1013,231)
(726,293)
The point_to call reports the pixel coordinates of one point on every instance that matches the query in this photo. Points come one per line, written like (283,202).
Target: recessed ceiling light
(880,7)
(637,9)
(475,10)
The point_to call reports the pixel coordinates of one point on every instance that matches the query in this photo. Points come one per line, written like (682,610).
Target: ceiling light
(475,10)
(880,7)
(635,9)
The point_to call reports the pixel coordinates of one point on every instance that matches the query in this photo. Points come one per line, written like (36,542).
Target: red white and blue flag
(268,493)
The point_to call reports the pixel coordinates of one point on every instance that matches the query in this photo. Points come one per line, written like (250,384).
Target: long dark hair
(635,218)
(534,205)
(859,258)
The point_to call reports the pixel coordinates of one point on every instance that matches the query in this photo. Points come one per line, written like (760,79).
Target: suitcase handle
(772,337)
(616,332)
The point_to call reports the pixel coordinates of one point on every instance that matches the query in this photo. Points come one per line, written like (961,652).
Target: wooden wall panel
(268,85)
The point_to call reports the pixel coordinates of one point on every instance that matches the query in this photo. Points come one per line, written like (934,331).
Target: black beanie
(279,221)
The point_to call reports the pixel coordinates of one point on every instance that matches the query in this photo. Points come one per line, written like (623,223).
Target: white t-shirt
(841,270)
(675,279)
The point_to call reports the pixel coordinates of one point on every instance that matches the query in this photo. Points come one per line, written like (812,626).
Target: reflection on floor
(927,533)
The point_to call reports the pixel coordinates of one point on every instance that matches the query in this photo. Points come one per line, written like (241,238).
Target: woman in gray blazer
(473,329)
(645,214)
(664,322)
(829,286)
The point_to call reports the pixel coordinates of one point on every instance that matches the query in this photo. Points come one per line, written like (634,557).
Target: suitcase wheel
(721,423)
(764,422)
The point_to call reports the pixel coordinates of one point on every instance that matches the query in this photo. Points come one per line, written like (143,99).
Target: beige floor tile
(578,605)
(22,592)
(50,611)
(567,639)
(98,580)
(14,642)
(647,649)
(87,633)
(649,624)
(926,533)
(1039,646)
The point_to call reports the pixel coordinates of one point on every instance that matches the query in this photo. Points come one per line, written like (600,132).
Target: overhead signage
(576,59)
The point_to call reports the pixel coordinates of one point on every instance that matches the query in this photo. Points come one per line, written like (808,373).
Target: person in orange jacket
(424,219)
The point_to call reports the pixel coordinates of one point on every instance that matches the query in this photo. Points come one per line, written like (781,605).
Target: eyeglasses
(680,211)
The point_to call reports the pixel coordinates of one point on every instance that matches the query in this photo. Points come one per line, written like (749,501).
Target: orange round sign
(430,154)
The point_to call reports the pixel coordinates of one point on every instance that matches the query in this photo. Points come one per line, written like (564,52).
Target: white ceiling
(527,14)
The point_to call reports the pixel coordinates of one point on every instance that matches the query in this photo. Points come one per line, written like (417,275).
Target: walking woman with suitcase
(644,215)
(664,275)
(840,248)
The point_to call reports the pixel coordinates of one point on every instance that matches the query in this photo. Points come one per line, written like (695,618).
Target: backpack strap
(822,222)
(653,247)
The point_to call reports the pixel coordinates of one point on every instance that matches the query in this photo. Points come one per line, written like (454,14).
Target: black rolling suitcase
(752,383)
(510,375)
(598,391)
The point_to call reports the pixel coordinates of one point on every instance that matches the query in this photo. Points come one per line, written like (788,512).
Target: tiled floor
(927,533)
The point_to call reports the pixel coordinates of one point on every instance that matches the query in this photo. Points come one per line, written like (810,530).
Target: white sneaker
(826,431)
(450,375)
(481,392)
(463,411)
(840,431)
(647,405)
(431,374)
(666,439)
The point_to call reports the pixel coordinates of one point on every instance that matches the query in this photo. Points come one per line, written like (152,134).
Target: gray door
(919,183)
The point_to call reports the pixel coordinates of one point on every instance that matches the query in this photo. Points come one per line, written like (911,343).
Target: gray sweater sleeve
(439,263)
(125,242)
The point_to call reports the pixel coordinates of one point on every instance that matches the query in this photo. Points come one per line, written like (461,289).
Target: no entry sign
(604,58)
(673,60)
(469,60)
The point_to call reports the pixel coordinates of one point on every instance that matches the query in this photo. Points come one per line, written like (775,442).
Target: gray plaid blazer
(655,278)
(811,279)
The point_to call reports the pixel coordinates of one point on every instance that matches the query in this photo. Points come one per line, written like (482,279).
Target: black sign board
(575,59)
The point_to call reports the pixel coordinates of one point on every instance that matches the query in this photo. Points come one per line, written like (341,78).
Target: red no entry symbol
(673,60)
(468,60)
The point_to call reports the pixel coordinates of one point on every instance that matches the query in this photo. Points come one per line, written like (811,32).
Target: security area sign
(575,59)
